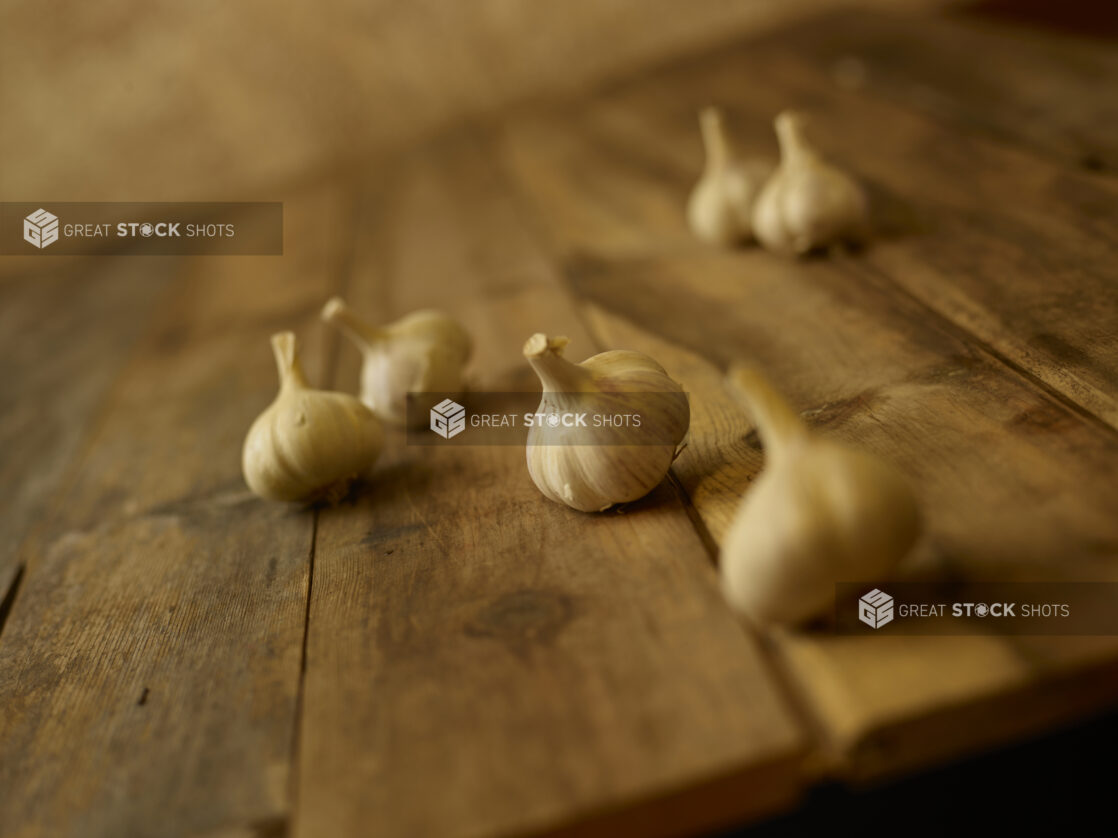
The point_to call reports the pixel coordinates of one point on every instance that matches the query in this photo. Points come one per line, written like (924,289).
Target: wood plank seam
(99,416)
(328,375)
(8,601)
(623,266)
(300,693)
(161,344)
(617,312)
(811,81)
(862,270)
(821,760)
(426,618)
(818,754)
(821,753)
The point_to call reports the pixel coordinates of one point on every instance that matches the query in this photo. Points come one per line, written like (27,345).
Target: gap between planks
(300,690)
(411,263)
(625,242)
(179,287)
(821,759)
(328,374)
(9,598)
(876,275)
(805,82)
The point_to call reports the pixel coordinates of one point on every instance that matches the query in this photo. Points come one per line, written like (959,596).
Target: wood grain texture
(1014,249)
(64,333)
(478,660)
(149,668)
(1015,484)
(482,661)
(1037,88)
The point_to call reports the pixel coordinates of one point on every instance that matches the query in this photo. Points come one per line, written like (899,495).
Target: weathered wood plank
(65,328)
(1014,249)
(897,703)
(1041,89)
(149,670)
(1014,484)
(481,661)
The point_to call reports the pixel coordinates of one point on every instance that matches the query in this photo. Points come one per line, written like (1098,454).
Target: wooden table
(448,653)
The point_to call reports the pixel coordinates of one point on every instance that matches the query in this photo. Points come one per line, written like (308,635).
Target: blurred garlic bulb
(807,203)
(591,468)
(424,352)
(308,444)
(818,514)
(720,208)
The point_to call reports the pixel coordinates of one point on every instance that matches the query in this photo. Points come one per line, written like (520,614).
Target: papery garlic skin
(819,513)
(720,207)
(424,352)
(808,203)
(588,477)
(308,444)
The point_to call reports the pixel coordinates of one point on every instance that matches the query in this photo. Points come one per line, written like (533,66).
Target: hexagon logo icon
(448,419)
(40,228)
(875,609)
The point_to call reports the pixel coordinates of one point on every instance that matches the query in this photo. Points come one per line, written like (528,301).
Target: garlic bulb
(424,352)
(308,444)
(591,467)
(807,203)
(819,513)
(720,208)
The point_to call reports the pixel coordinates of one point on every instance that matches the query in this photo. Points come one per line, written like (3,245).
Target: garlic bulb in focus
(819,513)
(424,352)
(592,468)
(720,208)
(308,444)
(807,203)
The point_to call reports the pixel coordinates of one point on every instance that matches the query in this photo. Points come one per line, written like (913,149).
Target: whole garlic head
(807,203)
(308,444)
(720,208)
(423,352)
(819,513)
(605,466)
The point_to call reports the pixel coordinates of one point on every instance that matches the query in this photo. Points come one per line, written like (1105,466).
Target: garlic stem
(715,143)
(287,361)
(338,313)
(423,352)
(778,423)
(557,374)
(307,444)
(792,138)
(819,513)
